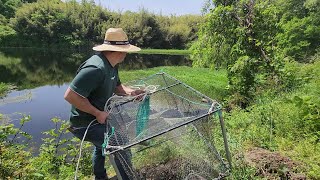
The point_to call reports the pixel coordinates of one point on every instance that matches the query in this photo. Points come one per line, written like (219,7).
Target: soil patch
(162,171)
(272,165)
(172,170)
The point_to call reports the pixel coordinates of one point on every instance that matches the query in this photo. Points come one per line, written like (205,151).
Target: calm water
(42,76)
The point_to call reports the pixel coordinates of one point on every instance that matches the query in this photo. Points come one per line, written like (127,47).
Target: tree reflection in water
(30,68)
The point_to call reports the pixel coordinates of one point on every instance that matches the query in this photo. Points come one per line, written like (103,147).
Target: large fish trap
(175,132)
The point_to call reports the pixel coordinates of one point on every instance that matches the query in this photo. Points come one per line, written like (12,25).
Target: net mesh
(168,135)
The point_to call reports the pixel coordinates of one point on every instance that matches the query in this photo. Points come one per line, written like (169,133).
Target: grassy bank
(210,83)
(4,88)
(164,51)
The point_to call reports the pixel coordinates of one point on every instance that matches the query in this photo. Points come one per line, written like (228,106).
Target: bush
(288,122)
(56,159)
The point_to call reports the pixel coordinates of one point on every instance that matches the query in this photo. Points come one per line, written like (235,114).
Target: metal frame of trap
(216,108)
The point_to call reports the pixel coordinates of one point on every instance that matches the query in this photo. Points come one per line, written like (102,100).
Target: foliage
(13,156)
(4,89)
(251,38)
(58,154)
(179,31)
(164,51)
(56,159)
(142,28)
(54,23)
(8,7)
(7,35)
(299,35)
(241,170)
(287,122)
(238,35)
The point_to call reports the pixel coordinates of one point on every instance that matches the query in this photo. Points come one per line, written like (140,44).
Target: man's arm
(83,104)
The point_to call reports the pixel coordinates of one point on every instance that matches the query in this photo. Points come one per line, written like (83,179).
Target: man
(96,81)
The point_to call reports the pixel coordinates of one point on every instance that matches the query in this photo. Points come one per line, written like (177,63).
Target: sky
(165,7)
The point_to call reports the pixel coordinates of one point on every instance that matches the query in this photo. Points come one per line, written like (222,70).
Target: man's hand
(127,91)
(137,92)
(102,117)
(83,104)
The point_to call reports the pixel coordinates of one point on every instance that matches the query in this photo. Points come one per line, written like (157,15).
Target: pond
(43,75)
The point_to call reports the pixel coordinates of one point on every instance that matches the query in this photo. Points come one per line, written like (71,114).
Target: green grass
(208,82)
(164,51)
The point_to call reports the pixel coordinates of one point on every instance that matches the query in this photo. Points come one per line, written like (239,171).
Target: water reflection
(31,68)
(143,61)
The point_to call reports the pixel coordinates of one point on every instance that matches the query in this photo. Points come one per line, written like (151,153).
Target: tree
(8,7)
(142,28)
(239,35)
(54,22)
(299,37)
(181,30)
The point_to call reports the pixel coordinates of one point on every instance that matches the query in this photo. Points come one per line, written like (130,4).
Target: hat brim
(119,48)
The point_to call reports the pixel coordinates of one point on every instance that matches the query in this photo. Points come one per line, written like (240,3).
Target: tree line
(53,23)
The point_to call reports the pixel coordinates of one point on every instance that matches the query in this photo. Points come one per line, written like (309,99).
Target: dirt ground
(170,171)
(161,172)
(272,165)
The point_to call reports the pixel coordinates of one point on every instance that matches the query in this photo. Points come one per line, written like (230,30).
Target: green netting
(143,115)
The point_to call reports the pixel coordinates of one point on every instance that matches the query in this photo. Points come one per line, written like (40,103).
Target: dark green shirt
(96,80)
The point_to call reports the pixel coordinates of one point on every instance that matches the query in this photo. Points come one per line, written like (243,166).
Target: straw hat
(116,40)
